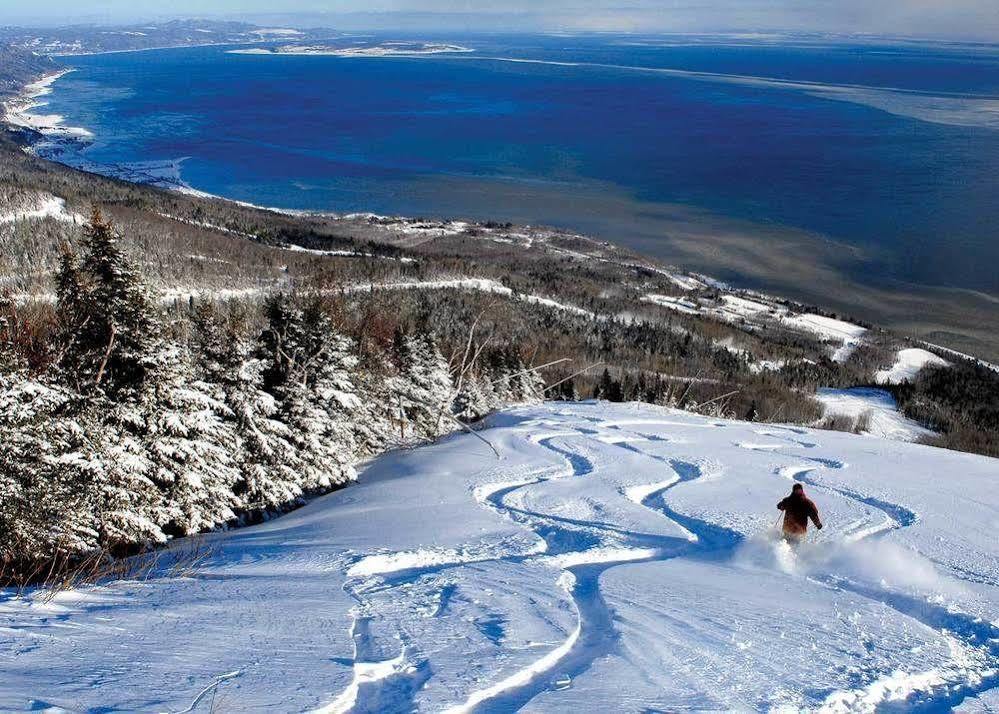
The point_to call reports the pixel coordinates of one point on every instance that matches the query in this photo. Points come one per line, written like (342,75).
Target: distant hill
(21,66)
(86,39)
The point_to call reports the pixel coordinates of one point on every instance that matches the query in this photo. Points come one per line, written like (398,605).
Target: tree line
(122,426)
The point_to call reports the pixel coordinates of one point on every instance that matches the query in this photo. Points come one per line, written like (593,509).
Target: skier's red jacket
(798,508)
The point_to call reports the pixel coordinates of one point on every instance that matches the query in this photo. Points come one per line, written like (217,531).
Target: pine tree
(475,399)
(318,397)
(423,388)
(608,388)
(268,459)
(265,456)
(129,506)
(282,343)
(45,509)
(109,337)
(603,386)
(375,422)
(191,439)
(528,385)
(567,391)
(499,375)
(109,330)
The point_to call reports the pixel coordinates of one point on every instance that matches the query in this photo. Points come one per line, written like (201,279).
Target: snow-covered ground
(613,559)
(43,206)
(876,408)
(486,285)
(907,365)
(751,310)
(344,253)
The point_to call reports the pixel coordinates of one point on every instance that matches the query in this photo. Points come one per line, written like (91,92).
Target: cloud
(970,19)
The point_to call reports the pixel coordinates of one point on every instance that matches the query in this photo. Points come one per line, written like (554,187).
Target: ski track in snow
(578,513)
(594,635)
(932,690)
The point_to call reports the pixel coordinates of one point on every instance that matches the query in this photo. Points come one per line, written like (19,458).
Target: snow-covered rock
(614,558)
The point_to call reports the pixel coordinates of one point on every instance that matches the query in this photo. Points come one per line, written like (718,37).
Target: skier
(798,508)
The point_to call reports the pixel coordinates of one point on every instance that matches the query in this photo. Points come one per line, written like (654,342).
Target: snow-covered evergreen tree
(317,395)
(266,457)
(83,463)
(108,324)
(423,389)
(73,472)
(566,390)
(375,423)
(193,445)
(45,509)
(526,384)
(130,508)
(475,398)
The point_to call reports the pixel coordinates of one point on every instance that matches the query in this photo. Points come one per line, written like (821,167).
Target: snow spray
(875,561)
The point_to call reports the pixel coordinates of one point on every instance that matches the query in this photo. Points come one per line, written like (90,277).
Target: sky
(964,19)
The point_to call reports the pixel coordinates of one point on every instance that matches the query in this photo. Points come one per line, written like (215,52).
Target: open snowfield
(877,406)
(908,364)
(613,558)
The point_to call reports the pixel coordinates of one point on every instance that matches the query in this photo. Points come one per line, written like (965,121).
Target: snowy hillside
(873,411)
(613,559)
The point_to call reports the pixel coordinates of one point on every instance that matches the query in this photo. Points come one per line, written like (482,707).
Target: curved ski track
(980,635)
(579,542)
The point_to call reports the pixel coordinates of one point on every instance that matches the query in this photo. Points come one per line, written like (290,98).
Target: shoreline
(384,51)
(50,140)
(18,110)
(49,127)
(53,133)
(64,55)
(53,140)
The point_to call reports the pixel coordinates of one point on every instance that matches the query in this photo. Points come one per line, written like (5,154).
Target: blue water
(467,135)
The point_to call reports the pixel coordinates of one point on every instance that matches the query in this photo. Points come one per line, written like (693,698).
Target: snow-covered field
(613,558)
(908,363)
(876,407)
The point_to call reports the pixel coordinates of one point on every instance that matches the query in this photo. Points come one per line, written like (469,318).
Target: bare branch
(572,376)
(531,369)
(107,355)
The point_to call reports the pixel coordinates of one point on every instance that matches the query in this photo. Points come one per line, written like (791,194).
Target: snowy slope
(44,206)
(761,311)
(877,406)
(907,365)
(611,560)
